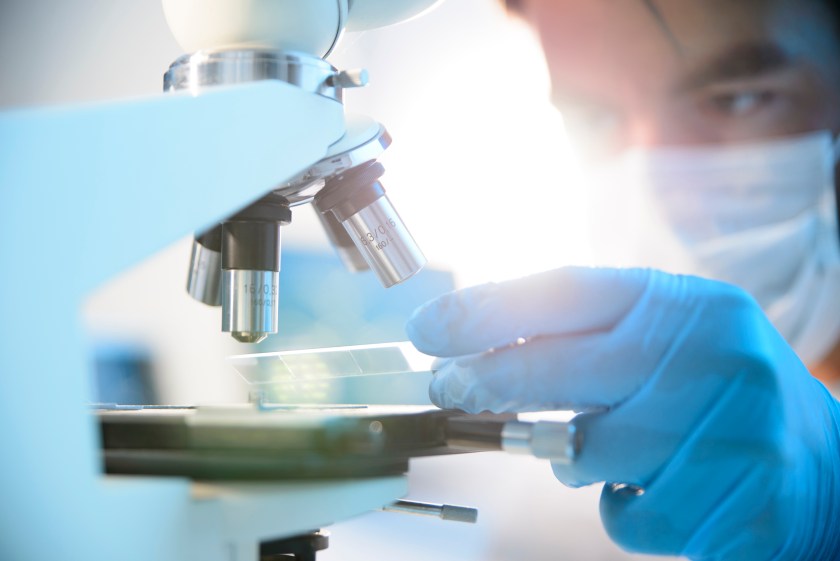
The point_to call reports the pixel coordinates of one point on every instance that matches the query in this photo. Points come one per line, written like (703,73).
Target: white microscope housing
(253,126)
(307,26)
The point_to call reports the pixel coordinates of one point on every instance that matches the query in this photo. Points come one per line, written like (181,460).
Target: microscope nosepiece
(358,201)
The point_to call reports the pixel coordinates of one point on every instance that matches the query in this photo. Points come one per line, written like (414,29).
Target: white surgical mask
(762,216)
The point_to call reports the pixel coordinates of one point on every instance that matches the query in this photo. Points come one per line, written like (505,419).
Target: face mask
(761,216)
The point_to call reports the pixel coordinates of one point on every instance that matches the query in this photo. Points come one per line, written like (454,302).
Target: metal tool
(444,512)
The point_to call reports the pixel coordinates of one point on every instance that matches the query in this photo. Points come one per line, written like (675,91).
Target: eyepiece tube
(251,269)
(358,202)
(204,279)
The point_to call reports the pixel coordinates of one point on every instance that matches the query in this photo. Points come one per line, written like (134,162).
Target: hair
(515,6)
(834,8)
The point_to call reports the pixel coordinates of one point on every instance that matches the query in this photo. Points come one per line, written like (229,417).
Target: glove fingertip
(437,396)
(565,474)
(427,337)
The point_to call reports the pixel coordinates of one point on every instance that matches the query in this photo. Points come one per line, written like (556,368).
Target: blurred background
(481,173)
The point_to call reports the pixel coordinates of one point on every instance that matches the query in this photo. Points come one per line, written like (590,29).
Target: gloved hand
(692,394)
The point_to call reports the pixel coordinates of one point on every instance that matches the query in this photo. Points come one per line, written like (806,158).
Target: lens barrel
(357,200)
(205,274)
(251,269)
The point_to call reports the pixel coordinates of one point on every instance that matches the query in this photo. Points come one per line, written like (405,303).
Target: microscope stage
(278,443)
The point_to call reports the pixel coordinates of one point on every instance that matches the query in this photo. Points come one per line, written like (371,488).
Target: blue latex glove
(701,402)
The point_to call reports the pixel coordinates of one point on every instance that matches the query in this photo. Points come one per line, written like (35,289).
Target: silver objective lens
(383,240)
(358,202)
(344,245)
(249,308)
(251,269)
(204,280)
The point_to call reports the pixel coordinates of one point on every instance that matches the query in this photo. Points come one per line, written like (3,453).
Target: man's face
(676,72)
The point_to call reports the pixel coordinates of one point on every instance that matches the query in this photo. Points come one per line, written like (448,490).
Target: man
(711,125)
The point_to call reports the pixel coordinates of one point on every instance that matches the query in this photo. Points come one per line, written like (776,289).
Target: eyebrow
(745,60)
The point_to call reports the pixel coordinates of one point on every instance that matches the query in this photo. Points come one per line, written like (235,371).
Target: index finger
(564,301)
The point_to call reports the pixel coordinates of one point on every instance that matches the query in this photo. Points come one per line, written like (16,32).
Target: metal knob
(355,78)
(556,441)
(444,512)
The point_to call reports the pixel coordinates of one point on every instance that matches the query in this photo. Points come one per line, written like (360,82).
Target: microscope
(235,263)
(250,127)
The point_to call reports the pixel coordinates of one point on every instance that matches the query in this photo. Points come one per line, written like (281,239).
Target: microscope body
(89,191)
(235,264)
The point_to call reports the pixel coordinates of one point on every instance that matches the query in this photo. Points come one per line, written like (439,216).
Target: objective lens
(344,245)
(251,269)
(358,201)
(250,305)
(204,280)
(382,238)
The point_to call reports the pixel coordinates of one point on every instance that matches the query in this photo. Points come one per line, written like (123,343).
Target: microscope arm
(121,180)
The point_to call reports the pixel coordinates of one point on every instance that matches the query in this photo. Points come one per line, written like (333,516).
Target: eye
(740,104)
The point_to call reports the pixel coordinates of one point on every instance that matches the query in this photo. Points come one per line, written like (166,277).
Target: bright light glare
(505,200)
(480,168)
